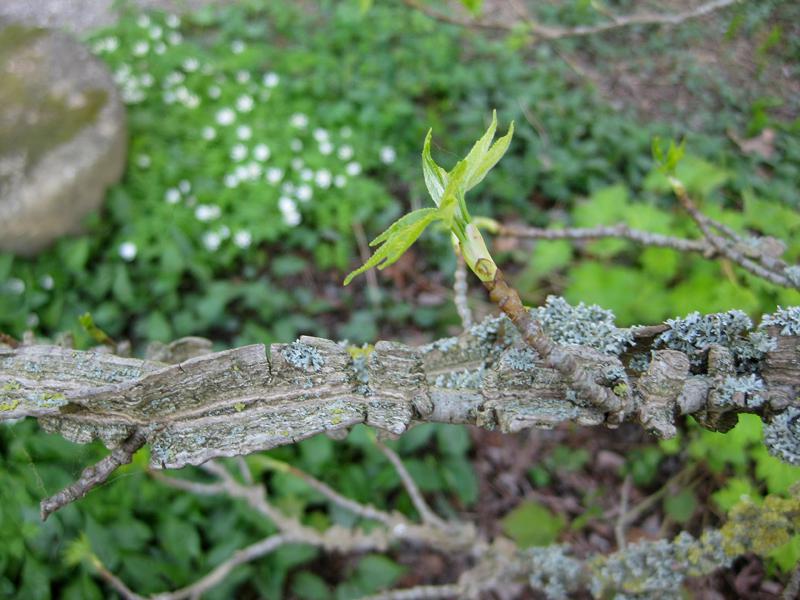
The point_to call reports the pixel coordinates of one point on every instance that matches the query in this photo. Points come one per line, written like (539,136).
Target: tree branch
(547,32)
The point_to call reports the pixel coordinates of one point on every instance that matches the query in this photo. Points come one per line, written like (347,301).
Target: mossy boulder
(63,138)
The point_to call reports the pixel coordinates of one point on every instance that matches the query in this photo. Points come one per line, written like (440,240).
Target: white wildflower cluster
(284,160)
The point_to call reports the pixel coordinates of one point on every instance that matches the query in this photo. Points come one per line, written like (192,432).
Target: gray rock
(62,136)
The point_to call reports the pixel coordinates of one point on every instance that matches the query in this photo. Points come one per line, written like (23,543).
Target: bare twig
(770,269)
(217,576)
(460,291)
(94,475)
(373,289)
(619,231)
(547,32)
(422,592)
(425,512)
(792,590)
(622,522)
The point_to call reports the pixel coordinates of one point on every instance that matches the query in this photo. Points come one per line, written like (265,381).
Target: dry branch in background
(552,32)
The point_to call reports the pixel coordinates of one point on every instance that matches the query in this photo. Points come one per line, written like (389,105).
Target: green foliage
(447,190)
(531,524)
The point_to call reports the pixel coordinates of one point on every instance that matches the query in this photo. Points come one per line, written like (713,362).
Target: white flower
(254,170)
(160,48)
(182,94)
(169,98)
(242,238)
(147,80)
(304,192)
(192,101)
(237,46)
(225,116)
(271,80)
(244,103)
(174,78)
(172,196)
(207,212)
(242,173)
(323,178)
(209,133)
(231,180)
(243,76)
(288,188)
(173,21)
(388,155)
(289,211)
(174,38)
(155,32)
(320,134)
(111,44)
(211,240)
(297,164)
(17,286)
(127,250)
(340,181)
(143,21)
(214,92)
(244,132)
(274,175)
(47,282)
(306,174)
(143,161)
(140,48)
(261,152)
(353,169)
(191,64)
(346,132)
(345,152)
(325,148)
(184,186)
(298,120)
(239,152)
(296,145)
(286,204)
(32,320)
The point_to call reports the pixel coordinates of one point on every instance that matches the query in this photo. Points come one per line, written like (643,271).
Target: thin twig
(460,291)
(792,590)
(619,231)
(94,475)
(546,32)
(723,247)
(421,592)
(373,289)
(240,557)
(425,512)
(621,525)
(363,510)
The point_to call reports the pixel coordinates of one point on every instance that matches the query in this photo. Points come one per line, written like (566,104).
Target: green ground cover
(260,134)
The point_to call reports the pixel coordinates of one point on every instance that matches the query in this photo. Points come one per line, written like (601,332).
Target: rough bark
(252,398)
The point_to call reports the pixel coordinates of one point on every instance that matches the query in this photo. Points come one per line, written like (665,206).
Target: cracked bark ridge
(249,399)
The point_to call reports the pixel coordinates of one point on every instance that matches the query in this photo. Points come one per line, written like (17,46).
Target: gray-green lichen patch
(656,569)
(792,273)
(303,357)
(584,325)
(554,572)
(747,391)
(787,320)
(695,333)
(461,379)
(782,436)
(520,358)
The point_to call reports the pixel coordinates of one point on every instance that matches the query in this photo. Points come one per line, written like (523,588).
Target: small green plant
(448,190)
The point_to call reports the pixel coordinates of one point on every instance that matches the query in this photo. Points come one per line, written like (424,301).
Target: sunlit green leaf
(434,175)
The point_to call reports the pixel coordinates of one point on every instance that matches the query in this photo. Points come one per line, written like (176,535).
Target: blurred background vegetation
(266,137)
